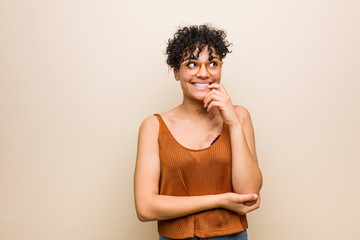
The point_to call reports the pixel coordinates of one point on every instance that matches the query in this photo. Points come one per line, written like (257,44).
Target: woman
(196,171)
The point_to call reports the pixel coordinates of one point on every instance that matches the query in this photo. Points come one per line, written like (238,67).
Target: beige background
(78,77)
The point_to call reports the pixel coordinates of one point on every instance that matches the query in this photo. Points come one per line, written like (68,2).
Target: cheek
(184,84)
(185,78)
(218,77)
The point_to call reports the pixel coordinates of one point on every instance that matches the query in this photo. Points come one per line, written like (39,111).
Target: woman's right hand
(241,203)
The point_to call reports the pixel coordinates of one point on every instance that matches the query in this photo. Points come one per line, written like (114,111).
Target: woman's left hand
(218,97)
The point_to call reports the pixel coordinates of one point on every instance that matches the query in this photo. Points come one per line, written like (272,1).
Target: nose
(202,73)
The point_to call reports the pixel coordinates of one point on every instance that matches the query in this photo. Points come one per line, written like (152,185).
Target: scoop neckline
(190,149)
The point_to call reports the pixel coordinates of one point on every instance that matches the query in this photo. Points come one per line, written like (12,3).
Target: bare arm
(247,177)
(152,206)
(246,174)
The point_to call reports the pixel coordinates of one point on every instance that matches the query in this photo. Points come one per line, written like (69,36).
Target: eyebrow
(196,59)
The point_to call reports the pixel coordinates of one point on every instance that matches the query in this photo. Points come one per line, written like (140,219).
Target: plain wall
(78,77)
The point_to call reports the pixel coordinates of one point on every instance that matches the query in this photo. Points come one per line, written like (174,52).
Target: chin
(200,97)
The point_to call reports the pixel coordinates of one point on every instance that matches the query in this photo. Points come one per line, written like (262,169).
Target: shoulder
(241,109)
(242,113)
(150,121)
(149,125)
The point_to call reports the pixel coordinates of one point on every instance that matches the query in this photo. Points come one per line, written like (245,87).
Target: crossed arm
(150,205)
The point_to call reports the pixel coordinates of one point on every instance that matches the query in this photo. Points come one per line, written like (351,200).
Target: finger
(214,86)
(214,104)
(250,203)
(207,99)
(210,106)
(218,87)
(211,96)
(247,197)
(256,205)
(248,209)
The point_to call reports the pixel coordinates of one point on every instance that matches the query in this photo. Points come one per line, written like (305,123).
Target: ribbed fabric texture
(188,172)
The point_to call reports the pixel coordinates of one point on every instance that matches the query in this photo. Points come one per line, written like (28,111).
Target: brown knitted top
(188,172)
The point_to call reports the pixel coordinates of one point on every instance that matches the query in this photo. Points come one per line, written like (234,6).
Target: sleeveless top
(189,172)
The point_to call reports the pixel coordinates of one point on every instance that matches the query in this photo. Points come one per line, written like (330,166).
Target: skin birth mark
(200,111)
(212,115)
(209,138)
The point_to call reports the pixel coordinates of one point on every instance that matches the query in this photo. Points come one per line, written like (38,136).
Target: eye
(213,64)
(192,65)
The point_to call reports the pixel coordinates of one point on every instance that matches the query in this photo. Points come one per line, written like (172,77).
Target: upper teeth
(201,84)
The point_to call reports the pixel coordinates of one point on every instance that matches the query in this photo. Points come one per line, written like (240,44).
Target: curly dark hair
(187,39)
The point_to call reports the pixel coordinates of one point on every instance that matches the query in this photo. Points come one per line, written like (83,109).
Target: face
(195,86)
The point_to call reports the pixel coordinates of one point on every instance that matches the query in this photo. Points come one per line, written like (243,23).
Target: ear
(176,74)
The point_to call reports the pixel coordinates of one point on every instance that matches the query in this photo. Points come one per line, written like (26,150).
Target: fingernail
(255,196)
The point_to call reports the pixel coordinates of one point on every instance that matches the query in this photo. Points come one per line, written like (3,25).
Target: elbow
(144,214)
(260,182)
(145,208)
(143,217)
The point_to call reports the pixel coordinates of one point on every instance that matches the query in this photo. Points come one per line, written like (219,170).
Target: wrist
(235,125)
(223,199)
